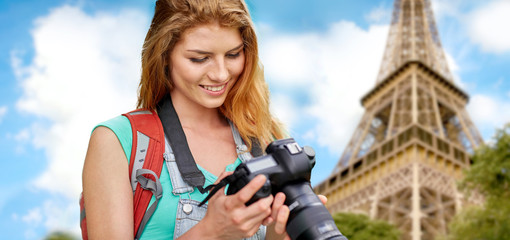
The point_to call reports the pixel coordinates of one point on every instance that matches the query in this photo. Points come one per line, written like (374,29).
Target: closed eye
(234,55)
(198,60)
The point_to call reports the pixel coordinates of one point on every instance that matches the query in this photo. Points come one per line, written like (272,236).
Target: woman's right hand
(228,217)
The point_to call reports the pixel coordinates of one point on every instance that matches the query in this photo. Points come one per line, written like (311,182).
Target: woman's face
(205,64)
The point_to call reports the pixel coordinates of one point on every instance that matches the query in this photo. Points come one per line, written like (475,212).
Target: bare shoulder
(103,137)
(106,187)
(104,152)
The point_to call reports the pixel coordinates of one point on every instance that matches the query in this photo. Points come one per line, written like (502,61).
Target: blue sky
(66,65)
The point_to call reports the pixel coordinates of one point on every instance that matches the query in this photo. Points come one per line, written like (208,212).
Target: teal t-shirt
(161,224)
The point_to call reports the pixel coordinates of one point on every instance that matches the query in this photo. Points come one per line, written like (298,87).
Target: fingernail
(261,178)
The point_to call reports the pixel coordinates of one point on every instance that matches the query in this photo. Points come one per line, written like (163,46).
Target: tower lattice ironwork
(414,139)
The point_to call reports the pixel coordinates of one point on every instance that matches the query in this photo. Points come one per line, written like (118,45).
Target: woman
(202,56)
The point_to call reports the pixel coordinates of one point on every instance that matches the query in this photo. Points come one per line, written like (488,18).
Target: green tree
(361,227)
(490,176)
(60,235)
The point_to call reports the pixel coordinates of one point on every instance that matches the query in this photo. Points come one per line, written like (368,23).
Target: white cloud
(53,214)
(33,217)
(379,15)
(61,216)
(284,108)
(23,135)
(22,138)
(335,68)
(443,8)
(285,58)
(454,69)
(483,108)
(3,111)
(485,26)
(85,70)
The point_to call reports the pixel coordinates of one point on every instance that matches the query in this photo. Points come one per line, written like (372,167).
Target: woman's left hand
(277,222)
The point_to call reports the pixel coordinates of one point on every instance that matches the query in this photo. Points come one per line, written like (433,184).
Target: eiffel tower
(414,139)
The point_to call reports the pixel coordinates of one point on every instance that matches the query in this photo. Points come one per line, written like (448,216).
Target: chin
(213,104)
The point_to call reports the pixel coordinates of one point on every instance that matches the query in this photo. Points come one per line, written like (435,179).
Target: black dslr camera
(287,167)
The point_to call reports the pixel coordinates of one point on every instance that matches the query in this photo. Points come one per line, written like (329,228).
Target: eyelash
(201,60)
(234,55)
(198,60)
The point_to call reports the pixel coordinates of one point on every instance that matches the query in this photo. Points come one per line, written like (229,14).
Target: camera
(288,167)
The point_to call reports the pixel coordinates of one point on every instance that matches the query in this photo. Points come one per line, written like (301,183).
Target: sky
(66,65)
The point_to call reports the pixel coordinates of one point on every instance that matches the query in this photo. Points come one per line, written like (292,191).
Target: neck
(192,115)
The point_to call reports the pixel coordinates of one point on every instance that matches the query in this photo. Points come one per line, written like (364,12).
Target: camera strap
(224,182)
(177,140)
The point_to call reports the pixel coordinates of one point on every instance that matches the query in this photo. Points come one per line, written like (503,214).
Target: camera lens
(309,219)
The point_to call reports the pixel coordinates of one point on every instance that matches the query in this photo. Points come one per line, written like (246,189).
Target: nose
(219,71)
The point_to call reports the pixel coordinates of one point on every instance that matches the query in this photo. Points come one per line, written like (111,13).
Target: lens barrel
(309,219)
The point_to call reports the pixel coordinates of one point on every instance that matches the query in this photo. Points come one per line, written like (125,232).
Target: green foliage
(490,176)
(486,223)
(58,235)
(490,172)
(361,227)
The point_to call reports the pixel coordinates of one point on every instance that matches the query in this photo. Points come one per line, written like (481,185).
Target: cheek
(183,73)
(238,66)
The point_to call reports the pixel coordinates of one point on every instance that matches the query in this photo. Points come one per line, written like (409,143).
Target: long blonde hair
(247,103)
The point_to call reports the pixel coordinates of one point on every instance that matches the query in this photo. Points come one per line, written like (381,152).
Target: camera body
(285,162)
(288,167)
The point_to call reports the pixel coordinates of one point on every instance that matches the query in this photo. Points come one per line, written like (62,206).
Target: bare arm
(106,189)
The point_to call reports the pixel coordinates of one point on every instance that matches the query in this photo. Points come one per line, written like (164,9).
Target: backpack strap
(83,219)
(145,164)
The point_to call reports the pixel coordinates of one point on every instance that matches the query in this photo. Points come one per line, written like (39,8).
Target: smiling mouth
(214,88)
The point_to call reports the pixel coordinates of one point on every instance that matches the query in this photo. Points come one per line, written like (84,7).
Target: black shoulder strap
(177,139)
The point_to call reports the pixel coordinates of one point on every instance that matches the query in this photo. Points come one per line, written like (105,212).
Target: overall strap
(145,165)
(178,184)
(241,148)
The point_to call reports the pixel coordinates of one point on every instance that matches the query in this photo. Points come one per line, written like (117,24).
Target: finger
(279,200)
(260,209)
(247,192)
(267,221)
(263,212)
(257,213)
(281,219)
(323,199)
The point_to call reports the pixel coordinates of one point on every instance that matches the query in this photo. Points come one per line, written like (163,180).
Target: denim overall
(188,211)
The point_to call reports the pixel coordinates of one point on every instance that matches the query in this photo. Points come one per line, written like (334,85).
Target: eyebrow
(205,52)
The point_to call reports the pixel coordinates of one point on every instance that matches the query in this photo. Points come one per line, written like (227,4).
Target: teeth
(214,89)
